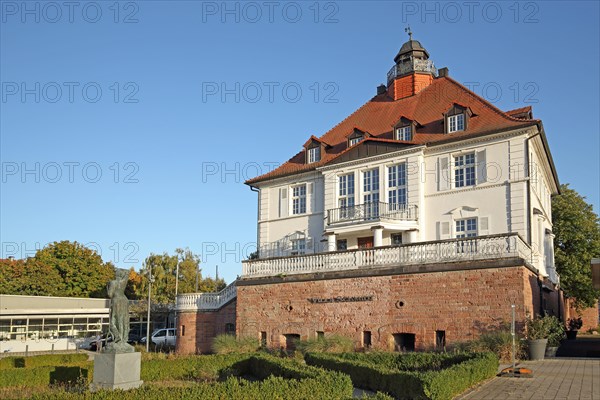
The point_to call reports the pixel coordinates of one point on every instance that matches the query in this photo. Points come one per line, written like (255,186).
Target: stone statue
(119,314)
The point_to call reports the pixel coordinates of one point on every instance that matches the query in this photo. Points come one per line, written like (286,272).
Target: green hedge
(42,361)
(408,361)
(44,376)
(326,387)
(281,379)
(446,377)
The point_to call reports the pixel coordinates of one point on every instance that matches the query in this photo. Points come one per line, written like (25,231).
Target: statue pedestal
(116,371)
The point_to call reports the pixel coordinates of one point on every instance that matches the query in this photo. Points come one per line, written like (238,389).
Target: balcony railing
(372,212)
(417,254)
(413,65)
(206,301)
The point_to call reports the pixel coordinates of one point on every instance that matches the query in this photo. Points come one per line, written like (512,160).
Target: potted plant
(573,324)
(538,331)
(556,334)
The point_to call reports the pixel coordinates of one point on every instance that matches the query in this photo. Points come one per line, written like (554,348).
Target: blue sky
(131,128)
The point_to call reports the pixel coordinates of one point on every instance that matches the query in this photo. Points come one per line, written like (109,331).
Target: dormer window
(356,136)
(456,123)
(314,148)
(314,154)
(404,129)
(457,118)
(353,141)
(404,133)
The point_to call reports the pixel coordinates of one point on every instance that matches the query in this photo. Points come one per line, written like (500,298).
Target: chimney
(443,72)
(381,89)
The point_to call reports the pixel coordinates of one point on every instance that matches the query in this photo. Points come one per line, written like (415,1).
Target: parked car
(162,338)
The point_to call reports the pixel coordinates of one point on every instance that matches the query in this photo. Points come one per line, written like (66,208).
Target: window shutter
(444,178)
(283,202)
(443,230)
(481,167)
(484,226)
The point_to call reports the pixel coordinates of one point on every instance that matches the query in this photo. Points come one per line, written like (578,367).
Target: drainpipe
(254,189)
(529,187)
(529,236)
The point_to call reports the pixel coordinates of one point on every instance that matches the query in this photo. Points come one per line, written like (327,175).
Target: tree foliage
(29,277)
(82,271)
(577,241)
(60,269)
(163,268)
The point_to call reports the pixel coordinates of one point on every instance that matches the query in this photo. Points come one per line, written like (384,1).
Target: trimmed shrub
(329,344)
(229,344)
(42,361)
(280,379)
(418,376)
(44,376)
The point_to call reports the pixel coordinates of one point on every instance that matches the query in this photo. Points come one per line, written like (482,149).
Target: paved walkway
(553,379)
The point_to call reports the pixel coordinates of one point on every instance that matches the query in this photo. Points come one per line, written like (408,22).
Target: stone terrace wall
(462,303)
(196,330)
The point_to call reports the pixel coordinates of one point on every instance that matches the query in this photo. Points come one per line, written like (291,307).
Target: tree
(29,277)
(82,271)
(577,240)
(164,267)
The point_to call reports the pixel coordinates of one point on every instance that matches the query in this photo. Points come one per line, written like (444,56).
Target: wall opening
(230,329)
(263,339)
(404,341)
(440,340)
(320,334)
(367,339)
(291,339)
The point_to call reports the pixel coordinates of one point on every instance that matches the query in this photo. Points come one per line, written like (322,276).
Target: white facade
(495,184)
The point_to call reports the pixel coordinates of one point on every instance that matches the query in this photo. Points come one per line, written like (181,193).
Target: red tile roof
(522,113)
(381,113)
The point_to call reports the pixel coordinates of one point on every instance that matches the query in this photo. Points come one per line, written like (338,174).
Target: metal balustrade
(416,64)
(206,301)
(464,249)
(372,212)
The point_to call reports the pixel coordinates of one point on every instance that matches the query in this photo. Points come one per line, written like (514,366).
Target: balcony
(371,212)
(206,301)
(416,254)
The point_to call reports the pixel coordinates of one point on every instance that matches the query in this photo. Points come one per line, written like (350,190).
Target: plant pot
(571,335)
(537,348)
(551,351)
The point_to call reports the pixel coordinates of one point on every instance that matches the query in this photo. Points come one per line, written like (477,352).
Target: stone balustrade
(206,301)
(441,251)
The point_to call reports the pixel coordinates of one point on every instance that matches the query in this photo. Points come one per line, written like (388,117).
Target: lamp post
(150,280)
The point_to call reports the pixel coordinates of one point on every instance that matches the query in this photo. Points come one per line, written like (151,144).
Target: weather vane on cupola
(407,30)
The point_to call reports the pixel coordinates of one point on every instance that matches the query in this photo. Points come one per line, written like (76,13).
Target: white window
(397,186)
(404,133)
(354,141)
(298,246)
(371,192)
(299,199)
(466,228)
(464,170)
(314,154)
(456,123)
(346,195)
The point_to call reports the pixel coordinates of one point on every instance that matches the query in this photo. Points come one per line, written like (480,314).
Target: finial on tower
(407,30)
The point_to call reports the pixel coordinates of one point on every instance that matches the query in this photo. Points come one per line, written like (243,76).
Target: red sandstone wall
(589,316)
(195,331)
(462,303)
